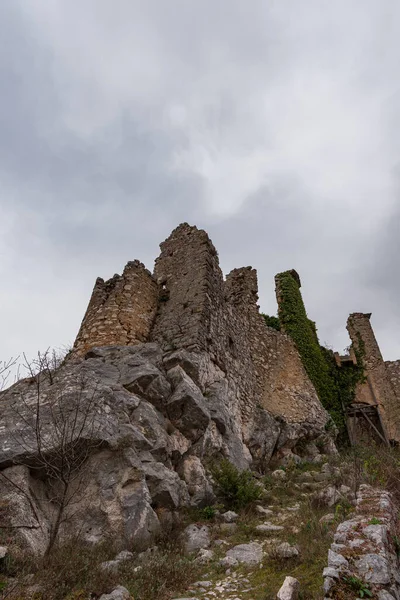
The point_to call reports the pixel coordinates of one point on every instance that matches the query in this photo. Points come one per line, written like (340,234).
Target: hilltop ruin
(188,305)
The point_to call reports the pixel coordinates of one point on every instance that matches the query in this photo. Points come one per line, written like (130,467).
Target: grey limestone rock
(376,533)
(249,554)
(279,474)
(328,518)
(199,488)
(120,593)
(166,489)
(196,538)
(230,516)
(285,550)
(268,528)
(265,512)
(384,595)
(186,407)
(289,590)
(336,560)
(260,445)
(331,572)
(204,556)
(374,568)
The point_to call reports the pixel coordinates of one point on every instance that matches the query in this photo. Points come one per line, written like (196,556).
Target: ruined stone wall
(364,549)
(198,311)
(273,374)
(393,373)
(188,306)
(377,389)
(121,310)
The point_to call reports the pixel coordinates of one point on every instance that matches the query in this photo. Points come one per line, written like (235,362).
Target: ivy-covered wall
(272,321)
(334,385)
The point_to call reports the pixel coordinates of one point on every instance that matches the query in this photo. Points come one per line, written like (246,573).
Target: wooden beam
(372,425)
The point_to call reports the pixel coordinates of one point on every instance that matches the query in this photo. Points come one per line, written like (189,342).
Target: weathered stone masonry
(188,305)
(378,389)
(121,310)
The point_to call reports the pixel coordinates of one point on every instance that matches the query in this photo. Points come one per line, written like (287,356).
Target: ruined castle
(172,372)
(188,305)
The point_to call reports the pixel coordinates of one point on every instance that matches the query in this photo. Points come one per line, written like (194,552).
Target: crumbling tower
(190,282)
(377,389)
(121,310)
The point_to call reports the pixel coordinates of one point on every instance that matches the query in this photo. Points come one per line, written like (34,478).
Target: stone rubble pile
(364,551)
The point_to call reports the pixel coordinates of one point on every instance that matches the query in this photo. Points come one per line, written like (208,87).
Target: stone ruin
(185,371)
(188,306)
(375,412)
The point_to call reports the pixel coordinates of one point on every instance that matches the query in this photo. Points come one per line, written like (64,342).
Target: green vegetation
(236,488)
(335,385)
(208,512)
(358,586)
(272,321)
(73,570)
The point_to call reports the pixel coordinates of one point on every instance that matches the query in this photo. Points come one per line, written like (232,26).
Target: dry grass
(72,572)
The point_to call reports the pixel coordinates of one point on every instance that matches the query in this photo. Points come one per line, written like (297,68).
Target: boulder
(329,496)
(289,590)
(146,381)
(384,595)
(190,362)
(204,556)
(217,398)
(285,550)
(196,537)
(120,593)
(248,554)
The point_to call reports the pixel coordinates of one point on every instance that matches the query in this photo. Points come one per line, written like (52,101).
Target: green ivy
(272,322)
(334,385)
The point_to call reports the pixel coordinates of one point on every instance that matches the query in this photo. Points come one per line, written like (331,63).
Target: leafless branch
(58,435)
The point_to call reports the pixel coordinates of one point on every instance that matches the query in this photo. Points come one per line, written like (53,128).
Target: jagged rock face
(141,424)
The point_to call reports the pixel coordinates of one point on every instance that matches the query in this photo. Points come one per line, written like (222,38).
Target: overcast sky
(273,124)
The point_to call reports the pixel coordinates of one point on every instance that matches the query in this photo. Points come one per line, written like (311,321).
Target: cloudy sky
(273,124)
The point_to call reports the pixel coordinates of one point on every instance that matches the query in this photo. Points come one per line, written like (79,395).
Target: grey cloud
(269,124)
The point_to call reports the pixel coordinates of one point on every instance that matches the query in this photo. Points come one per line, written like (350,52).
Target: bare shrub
(6,367)
(59,432)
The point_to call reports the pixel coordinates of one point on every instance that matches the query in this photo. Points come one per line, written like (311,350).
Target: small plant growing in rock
(374,521)
(342,509)
(358,586)
(236,488)
(208,512)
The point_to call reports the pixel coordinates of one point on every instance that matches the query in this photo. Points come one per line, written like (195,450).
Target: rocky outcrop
(363,555)
(137,425)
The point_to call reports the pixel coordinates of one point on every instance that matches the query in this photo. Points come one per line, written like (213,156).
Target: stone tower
(121,310)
